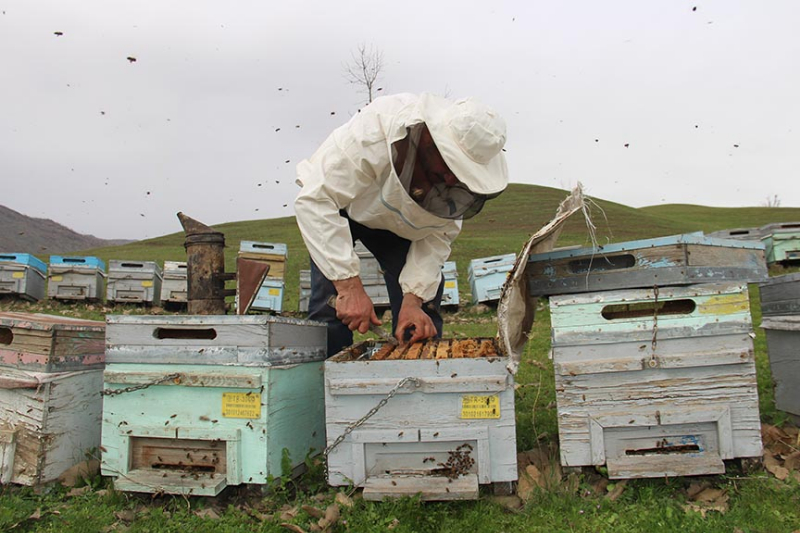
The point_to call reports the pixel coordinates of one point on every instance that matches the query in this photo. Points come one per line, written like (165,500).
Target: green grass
(758,502)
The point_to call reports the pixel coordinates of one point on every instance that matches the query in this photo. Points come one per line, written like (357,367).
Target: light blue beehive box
(487,276)
(450,294)
(76,278)
(270,295)
(210,401)
(22,275)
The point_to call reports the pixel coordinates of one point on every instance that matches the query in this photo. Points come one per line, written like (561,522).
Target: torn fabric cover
(515,310)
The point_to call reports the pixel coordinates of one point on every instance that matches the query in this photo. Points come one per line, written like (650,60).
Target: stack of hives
(50,403)
(487,276)
(782,242)
(653,355)
(22,275)
(134,282)
(270,295)
(780,309)
(76,278)
(448,428)
(196,403)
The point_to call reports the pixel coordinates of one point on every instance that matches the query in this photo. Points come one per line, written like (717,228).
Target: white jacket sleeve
(422,272)
(330,180)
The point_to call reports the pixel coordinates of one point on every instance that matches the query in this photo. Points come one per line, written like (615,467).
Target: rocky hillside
(41,236)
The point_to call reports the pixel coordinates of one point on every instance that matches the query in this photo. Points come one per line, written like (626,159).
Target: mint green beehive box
(193,404)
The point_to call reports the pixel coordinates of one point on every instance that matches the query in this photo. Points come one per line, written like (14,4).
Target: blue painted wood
(78,261)
(24,259)
(270,295)
(487,276)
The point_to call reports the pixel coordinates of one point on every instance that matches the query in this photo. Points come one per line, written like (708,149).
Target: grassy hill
(502,227)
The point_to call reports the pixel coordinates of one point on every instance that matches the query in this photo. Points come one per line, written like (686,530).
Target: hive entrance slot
(666,450)
(601,264)
(6,336)
(185,333)
(74,260)
(132,265)
(648,309)
(185,455)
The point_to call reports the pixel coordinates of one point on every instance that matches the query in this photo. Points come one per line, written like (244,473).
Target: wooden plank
(429,488)
(156,482)
(664,466)
(189,455)
(185,379)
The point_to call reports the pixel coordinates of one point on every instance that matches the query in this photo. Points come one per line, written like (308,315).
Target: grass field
(741,501)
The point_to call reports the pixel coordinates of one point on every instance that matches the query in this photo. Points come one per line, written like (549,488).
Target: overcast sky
(644,102)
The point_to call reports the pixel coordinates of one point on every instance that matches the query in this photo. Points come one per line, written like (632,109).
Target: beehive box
(270,295)
(134,282)
(487,276)
(450,296)
(783,347)
(22,275)
(49,422)
(75,278)
(780,295)
(746,234)
(447,424)
(174,285)
(46,343)
(656,382)
(196,403)
(782,242)
(371,275)
(676,260)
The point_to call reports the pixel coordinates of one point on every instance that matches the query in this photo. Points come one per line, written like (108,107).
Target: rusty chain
(349,429)
(133,388)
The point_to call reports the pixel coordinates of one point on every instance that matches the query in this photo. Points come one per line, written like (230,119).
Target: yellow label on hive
(56,278)
(480,407)
(449,284)
(725,304)
(147,283)
(241,405)
(18,275)
(274,292)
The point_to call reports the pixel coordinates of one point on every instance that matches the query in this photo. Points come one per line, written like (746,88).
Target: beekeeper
(400,176)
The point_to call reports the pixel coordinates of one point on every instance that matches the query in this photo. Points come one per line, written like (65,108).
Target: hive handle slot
(6,336)
(74,260)
(648,309)
(8,257)
(601,264)
(132,265)
(185,333)
(267,246)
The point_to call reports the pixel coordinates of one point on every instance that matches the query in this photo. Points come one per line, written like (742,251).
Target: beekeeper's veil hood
(470,136)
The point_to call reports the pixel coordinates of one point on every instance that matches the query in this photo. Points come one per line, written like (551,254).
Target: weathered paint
(184,406)
(174,283)
(48,423)
(676,260)
(420,427)
(628,389)
(22,275)
(780,295)
(783,348)
(76,278)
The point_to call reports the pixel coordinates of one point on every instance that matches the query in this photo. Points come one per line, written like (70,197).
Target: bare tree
(364,69)
(772,201)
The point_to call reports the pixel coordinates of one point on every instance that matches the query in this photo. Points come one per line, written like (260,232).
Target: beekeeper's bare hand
(353,306)
(413,318)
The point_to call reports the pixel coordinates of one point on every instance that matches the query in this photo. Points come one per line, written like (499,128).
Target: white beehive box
(448,428)
(656,382)
(76,278)
(134,282)
(487,276)
(197,403)
(49,422)
(22,275)
(174,285)
(269,296)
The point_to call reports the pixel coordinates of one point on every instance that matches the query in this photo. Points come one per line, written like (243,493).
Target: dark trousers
(390,251)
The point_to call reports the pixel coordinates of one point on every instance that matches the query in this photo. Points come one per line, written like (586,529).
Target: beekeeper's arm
(330,181)
(420,281)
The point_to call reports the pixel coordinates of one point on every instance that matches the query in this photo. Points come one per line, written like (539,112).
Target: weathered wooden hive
(50,403)
(134,282)
(76,278)
(450,296)
(444,422)
(174,283)
(270,296)
(196,403)
(782,242)
(780,309)
(675,260)
(487,276)
(656,382)
(746,234)
(22,275)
